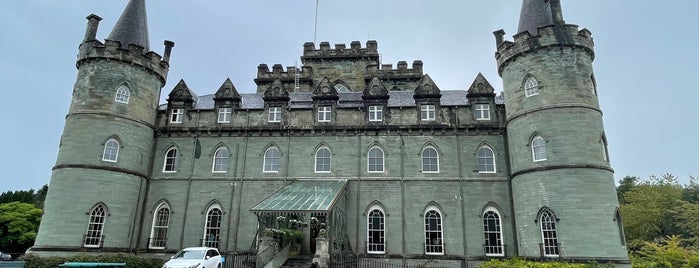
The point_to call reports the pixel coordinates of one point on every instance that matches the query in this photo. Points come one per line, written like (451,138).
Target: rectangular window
(375,113)
(324,113)
(275,114)
(427,112)
(482,112)
(176,115)
(224,115)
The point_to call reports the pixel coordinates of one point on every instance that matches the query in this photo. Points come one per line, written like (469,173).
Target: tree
(625,185)
(19,223)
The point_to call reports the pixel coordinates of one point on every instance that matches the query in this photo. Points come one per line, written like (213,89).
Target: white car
(5,257)
(196,257)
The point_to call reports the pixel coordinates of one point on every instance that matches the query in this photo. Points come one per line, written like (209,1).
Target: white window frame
(122,94)
(531,87)
(271,163)
(496,249)
(427,112)
(214,213)
(171,160)
(225,114)
(485,159)
(482,111)
(538,149)
(161,222)
(374,247)
(547,225)
(111,151)
(94,236)
(221,161)
(274,114)
(437,248)
(380,157)
(375,113)
(329,157)
(423,158)
(176,115)
(324,113)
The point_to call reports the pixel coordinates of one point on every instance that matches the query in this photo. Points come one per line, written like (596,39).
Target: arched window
(172,160)
(485,160)
(605,150)
(375,163)
(620,226)
(122,94)
(221,157)
(212,229)
(549,236)
(111,151)
(434,245)
(376,243)
(161,220)
(538,149)
(493,233)
(271,160)
(531,87)
(323,160)
(430,160)
(94,237)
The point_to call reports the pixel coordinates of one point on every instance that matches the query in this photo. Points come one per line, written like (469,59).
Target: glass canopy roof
(304,195)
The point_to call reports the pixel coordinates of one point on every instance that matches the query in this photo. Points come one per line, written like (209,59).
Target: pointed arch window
(493,233)
(376,230)
(605,150)
(161,220)
(434,245)
(485,160)
(538,148)
(212,229)
(271,160)
(620,227)
(323,160)
(221,160)
(94,237)
(375,160)
(172,160)
(111,150)
(122,94)
(531,87)
(430,160)
(549,236)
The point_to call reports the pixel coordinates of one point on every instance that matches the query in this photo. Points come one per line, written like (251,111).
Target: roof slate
(132,26)
(534,14)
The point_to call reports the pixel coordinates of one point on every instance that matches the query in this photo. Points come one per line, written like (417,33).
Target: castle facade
(394,167)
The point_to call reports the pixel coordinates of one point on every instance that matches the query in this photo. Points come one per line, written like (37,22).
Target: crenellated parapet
(264,75)
(340,52)
(553,37)
(135,55)
(401,72)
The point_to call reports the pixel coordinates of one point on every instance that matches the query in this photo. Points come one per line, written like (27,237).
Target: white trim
(206,224)
(162,205)
(226,113)
(222,158)
(375,113)
(382,230)
(492,153)
(264,160)
(383,160)
(482,112)
(99,230)
(176,115)
(428,112)
(440,230)
(325,113)
(498,231)
(274,114)
(552,217)
(175,158)
(422,159)
(122,94)
(531,87)
(116,154)
(540,143)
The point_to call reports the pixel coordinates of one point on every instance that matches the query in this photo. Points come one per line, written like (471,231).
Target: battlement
(552,36)
(340,51)
(264,75)
(401,71)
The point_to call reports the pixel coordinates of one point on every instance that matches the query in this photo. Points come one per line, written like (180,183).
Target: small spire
(539,13)
(132,26)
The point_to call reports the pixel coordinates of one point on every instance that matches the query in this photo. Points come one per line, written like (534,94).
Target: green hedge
(515,263)
(132,261)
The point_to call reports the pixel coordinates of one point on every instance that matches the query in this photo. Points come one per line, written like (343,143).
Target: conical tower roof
(132,26)
(535,14)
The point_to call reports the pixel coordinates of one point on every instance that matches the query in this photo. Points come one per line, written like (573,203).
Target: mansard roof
(132,26)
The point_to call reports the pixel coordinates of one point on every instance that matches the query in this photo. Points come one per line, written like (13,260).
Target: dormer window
(482,112)
(375,113)
(427,112)
(224,114)
(324,113)
(176,115)
(275,114)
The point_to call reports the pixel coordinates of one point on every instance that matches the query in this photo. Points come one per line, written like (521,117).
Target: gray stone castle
(394,168)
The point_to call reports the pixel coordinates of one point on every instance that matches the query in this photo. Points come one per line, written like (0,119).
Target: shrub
(132,261)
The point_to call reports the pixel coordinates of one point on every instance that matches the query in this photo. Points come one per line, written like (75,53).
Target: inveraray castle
(398,170)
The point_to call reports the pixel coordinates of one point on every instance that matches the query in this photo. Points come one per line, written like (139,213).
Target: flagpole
(315,29)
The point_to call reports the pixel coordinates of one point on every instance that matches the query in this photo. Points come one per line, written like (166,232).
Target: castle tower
(100,178)
(563,186)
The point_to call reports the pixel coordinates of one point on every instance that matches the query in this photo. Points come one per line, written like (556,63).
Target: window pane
(271,160)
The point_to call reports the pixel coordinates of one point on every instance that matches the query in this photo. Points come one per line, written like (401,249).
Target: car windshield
(189,254)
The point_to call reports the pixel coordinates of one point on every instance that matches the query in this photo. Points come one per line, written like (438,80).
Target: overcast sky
(646,66)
